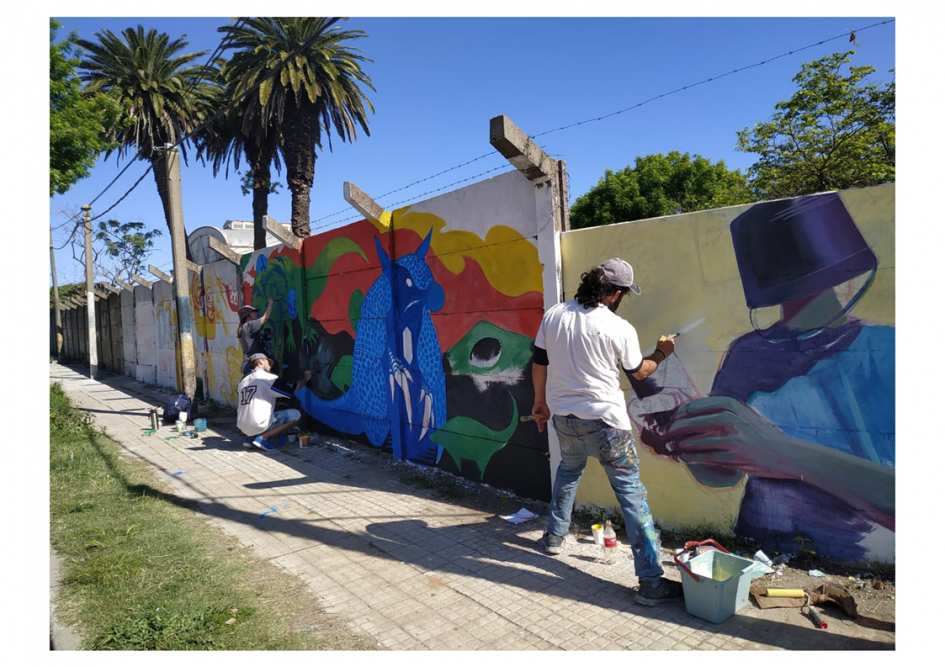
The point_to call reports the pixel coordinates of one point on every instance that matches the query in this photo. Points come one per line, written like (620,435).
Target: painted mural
(215,295)
(418,336)
(775,418)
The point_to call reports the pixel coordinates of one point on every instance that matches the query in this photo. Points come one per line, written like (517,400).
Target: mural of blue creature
(397,373)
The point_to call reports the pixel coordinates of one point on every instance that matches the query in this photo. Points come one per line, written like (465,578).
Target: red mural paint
(470,298)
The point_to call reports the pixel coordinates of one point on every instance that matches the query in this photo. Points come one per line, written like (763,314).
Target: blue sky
(440,80)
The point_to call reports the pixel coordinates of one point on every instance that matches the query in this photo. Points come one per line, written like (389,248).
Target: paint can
(597,530)
(181,425)
(291,437)
(303,440)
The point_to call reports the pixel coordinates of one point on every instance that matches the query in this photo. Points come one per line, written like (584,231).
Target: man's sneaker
(248,442)
(264,445)
(552,545)
(665,591)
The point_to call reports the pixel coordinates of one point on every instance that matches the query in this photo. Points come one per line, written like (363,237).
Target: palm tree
(317,89)
(163,97)
(237,134)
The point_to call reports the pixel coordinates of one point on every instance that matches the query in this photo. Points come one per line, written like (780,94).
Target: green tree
(162,96)
(78,125)
(837,131)
(659,185)
(66,292)
(243,131)
(126,245)
(317,90)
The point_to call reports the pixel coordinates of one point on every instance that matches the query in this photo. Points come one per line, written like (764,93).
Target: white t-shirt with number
(257,400)
(586,347)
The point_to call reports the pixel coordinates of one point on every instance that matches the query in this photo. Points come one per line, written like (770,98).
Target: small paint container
(181,426)
(200,425)
(597,530)
(303,440)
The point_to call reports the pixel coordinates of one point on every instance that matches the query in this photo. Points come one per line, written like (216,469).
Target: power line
(615,113)
(714,78)
(430,192)
(222,111)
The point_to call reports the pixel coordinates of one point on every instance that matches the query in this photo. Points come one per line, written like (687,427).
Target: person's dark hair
(593,288)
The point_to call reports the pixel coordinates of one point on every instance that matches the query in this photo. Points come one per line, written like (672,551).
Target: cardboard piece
(818,595)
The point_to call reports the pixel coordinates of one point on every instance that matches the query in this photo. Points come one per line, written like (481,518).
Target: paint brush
(689,327)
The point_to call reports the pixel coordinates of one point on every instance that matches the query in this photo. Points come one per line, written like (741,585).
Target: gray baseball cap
(619,274)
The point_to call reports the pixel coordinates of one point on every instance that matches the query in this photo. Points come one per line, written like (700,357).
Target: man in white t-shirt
(580,349)
(257,392)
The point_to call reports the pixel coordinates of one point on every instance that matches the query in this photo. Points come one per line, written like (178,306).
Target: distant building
(237,234)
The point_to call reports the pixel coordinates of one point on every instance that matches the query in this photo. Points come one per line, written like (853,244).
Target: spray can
(155,422)
(610,544)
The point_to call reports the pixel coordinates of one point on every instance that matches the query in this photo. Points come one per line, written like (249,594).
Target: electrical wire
(713,78)
(635,106)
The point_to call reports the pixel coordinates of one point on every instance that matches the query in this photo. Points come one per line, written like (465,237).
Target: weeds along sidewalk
(144,573)
(404,566)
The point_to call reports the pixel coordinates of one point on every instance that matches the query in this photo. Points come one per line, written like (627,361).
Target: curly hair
(593,288)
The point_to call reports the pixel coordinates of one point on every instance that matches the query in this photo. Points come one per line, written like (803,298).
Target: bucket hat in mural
(792,248)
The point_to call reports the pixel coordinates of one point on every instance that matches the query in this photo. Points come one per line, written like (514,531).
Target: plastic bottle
(610,544)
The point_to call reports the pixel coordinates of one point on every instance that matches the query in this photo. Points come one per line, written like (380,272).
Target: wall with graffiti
(418,330)
(215,295)
(775,416)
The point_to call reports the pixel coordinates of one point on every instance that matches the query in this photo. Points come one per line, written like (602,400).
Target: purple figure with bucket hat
(804,406)
(580,349)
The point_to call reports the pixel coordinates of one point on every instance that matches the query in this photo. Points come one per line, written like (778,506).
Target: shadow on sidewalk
(484,550)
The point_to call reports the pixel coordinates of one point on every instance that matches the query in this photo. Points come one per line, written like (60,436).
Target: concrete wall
(786,432)
(419,327)
(129,347)
(216,326)
(145,336)
(166,334)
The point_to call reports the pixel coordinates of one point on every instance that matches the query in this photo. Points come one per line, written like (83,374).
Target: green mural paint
(354,308)
(465,438)
(341,376)
(280,281)
(512,353)
(317,273)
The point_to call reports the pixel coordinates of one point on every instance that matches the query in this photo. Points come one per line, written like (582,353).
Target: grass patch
(143,571)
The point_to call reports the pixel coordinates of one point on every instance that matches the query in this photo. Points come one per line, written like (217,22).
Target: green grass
(142,571)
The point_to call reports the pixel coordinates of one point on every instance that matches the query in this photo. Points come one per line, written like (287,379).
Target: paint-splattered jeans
(614,448)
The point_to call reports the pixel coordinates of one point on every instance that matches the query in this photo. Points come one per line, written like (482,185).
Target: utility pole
(55,286)
(90,292)
(181,281)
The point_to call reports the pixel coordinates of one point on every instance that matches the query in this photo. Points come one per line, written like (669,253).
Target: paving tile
(410,570)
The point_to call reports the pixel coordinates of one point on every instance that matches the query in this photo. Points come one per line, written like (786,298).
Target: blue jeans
(281,417)
(614,448)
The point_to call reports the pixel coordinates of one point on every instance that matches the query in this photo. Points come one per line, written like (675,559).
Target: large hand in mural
(721,432)
(397,367)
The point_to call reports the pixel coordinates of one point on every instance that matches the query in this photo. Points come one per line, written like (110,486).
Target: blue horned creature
(397,372)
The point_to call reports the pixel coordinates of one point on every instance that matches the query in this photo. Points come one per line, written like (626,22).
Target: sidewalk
(410,570)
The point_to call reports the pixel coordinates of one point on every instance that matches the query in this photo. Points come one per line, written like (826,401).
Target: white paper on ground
(521,516)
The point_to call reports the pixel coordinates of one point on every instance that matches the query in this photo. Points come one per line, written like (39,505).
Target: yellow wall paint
(508,260)
(686,268)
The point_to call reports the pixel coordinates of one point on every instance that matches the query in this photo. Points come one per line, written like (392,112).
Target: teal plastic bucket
(200,425)
(715,583)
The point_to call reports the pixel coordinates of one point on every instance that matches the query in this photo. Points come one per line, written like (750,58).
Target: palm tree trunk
(260,159)
(300,132)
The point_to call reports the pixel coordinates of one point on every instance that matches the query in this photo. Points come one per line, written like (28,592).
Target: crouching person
(256,415)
